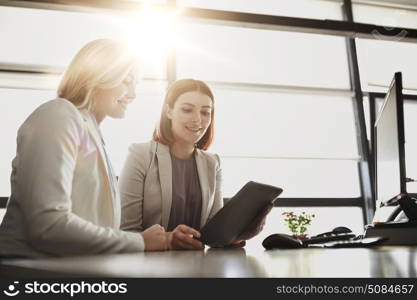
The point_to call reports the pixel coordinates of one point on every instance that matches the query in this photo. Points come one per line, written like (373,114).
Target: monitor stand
(399,231)
(409,206)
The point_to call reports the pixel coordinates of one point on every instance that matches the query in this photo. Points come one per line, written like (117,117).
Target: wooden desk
(381,262)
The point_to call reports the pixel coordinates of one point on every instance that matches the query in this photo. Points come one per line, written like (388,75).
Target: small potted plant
(298,224)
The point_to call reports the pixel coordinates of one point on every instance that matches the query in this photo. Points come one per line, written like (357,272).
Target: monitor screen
(389,146)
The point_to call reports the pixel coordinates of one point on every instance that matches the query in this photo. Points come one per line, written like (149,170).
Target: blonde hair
(163,131)
(102,63)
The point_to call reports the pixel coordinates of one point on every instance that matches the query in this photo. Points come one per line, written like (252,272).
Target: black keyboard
(328,238)
(352,243)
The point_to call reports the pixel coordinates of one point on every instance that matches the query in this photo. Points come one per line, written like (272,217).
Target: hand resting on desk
(155,238)
(182,238)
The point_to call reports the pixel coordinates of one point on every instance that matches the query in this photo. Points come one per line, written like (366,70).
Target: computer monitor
(390,175)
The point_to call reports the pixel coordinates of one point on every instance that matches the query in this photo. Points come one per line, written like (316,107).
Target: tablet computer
(230,221)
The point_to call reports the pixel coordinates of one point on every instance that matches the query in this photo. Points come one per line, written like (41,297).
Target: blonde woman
(172,180)
(64,199)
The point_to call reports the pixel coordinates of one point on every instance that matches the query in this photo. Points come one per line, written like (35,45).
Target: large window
(284,139)
(387,13)
(51,38)
(379,60)
(233,54)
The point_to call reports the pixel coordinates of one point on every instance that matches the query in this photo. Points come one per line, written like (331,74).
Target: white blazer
(145,186)
(61,199)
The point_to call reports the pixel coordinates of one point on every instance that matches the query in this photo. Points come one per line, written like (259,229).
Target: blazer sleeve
(218,197)
(47,149)
(131,187)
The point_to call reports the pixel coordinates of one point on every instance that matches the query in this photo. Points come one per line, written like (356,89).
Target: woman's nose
(196,118)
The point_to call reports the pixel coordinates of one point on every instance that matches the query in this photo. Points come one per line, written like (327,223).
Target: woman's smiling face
(113,102)
(190,117)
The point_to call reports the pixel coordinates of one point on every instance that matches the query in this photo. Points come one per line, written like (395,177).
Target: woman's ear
(168,112)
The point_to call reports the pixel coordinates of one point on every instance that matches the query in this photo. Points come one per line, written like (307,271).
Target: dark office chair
(3,202)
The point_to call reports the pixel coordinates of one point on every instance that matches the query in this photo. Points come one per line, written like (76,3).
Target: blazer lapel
(97,140)
(165,179)
(203,170)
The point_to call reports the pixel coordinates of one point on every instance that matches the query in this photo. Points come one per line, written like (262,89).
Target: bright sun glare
(153,32)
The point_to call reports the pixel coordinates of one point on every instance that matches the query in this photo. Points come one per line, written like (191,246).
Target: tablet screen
(238,213)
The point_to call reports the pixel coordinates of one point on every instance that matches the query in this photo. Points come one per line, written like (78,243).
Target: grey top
(186,194)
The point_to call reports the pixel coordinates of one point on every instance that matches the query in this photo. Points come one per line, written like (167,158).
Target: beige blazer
(61,199)
(145,186)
